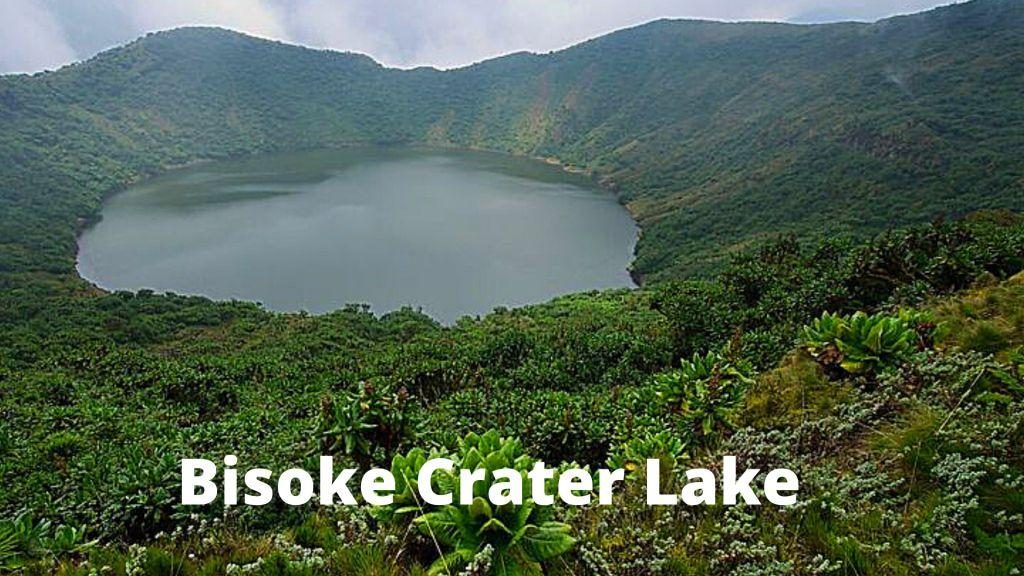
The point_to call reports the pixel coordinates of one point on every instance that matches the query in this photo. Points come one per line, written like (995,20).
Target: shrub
(706,392)
(315,532)
(633,455)
(136,498)
(24,539)
(866,344)
(554,426)
(369,426)
(210,385)
(519,537)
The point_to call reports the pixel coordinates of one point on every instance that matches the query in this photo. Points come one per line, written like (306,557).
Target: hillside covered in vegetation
(902,422)
(714,134)
(778,322)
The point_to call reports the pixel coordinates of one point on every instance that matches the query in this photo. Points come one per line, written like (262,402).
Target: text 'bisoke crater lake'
(452,232)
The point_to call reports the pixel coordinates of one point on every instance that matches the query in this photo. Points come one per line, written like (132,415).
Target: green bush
(369,426)
(405,503)
(706,392)
(632,455)
(23,539)
(865,344)
(513,539)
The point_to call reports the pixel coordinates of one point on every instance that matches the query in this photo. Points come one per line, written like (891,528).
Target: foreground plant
(405,469)
(24,539)
(519,537)
(664,446)
(706,392)
(866,344)
(368,426)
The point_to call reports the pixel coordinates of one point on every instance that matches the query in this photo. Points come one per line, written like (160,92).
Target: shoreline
(83,224)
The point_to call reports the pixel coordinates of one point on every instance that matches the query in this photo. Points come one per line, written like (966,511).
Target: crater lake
(450,232)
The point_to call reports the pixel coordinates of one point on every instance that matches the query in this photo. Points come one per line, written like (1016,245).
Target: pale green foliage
(23,539)
(866,344)
(706,391)
(10,558)
(405,469)
(345,428)
(666,446)
(521,537)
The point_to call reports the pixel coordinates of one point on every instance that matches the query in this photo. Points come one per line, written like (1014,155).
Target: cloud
(35,34)
(255,17)
(32,39)
(457,32)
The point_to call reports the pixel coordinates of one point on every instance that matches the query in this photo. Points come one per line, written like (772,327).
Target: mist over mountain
(45,34)
(713,134)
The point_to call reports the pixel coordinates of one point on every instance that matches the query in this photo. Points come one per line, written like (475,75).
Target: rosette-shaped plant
(706,391)
(632,456)
(369,425)
(406,503)
(866,344)
(519,536)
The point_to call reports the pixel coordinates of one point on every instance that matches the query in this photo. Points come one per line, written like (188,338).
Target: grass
(989,320)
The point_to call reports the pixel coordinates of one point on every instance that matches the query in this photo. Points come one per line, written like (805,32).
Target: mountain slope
(714,134)
(717,132)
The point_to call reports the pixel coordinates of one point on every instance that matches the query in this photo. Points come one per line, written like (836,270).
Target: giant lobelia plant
(516,539)
(706,392)
(866,344)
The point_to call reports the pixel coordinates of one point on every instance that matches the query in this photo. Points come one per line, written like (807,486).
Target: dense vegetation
(714,134)
(104,393)
(886,369)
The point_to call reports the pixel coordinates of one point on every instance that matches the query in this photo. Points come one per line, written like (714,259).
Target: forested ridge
(804,306)
(714,134)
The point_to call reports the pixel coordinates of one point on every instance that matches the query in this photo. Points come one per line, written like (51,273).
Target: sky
(45,34)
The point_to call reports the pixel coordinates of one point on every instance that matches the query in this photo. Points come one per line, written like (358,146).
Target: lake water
(453,233)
